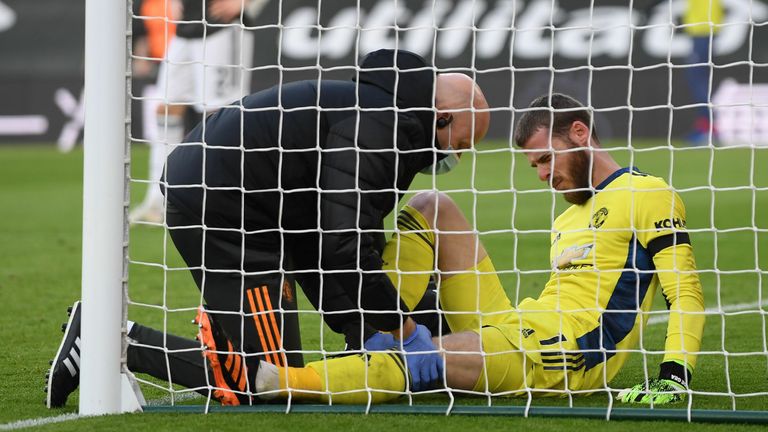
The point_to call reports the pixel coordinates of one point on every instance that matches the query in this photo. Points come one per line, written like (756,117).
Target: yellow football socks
(352,379)
(409,257)
(301,378)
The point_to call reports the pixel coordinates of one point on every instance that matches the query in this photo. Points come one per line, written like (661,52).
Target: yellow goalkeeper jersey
(609,255)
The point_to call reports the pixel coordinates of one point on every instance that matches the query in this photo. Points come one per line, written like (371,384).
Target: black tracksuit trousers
(254,307)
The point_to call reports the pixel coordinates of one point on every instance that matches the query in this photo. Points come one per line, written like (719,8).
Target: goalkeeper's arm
(680,285)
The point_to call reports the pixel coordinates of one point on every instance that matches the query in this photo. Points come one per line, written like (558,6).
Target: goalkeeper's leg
(482,363)
(471,295)
(409,256)
(409,260)
(433,237)
(478,357)
(352,379)
(456,247)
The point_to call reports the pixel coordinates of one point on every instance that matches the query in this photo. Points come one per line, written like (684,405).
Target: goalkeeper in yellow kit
(623,237)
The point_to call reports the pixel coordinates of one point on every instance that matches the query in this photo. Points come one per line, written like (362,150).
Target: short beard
(581,174)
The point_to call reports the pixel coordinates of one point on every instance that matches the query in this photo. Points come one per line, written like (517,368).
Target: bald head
(456,96)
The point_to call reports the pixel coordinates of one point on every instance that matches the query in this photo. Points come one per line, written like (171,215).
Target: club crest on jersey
(571,254)
(287,291)
(598,219)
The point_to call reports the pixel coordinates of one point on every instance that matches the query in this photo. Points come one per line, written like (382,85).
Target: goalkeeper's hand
(425,364)
(671,386)
(659,391)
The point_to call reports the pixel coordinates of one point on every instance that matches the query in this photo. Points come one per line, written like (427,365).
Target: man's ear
(443,120)
(579,133)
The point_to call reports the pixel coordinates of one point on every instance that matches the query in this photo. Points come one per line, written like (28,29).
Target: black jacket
(341,170)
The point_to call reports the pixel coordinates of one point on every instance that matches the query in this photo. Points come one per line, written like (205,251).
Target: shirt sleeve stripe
(660,243)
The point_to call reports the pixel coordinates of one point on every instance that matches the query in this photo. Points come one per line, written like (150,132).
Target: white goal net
(271,216)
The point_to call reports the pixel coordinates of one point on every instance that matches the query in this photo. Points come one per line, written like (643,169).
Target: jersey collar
(614,176)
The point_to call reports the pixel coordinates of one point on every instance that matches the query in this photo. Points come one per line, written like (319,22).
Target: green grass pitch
(725,191)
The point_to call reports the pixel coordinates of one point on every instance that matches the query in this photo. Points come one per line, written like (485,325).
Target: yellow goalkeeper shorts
(529,347)
(534,349)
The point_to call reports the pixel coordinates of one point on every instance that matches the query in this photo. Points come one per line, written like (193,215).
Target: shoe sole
(205,334)
(75,310)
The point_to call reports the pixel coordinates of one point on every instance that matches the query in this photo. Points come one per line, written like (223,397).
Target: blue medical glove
(380,342)
(425,367)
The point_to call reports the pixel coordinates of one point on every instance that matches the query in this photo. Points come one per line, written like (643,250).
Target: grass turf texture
(41,196)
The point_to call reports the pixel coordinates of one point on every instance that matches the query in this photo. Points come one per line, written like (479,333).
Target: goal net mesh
(677,89)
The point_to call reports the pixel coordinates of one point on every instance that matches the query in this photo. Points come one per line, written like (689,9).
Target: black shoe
(64,376)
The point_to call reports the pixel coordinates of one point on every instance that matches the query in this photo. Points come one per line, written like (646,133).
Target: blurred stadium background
(635,80)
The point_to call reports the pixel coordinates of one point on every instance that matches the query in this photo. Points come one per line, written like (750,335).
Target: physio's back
(269,144)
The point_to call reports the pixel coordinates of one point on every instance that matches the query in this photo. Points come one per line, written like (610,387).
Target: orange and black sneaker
(228,367)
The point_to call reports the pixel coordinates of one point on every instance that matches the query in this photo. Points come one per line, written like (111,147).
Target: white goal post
(629,63)
(104,196)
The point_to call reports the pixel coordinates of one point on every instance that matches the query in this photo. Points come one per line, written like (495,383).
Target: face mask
(444,165)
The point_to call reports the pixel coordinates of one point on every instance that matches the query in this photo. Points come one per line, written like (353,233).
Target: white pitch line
(737,307)
(41,421)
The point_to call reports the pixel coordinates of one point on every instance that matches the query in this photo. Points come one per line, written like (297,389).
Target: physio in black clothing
(291,184)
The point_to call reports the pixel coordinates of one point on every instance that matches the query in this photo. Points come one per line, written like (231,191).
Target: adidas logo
(73,357)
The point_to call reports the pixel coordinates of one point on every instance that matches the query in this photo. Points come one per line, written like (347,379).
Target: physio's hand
(425,364)
(380,342)
(659,391)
